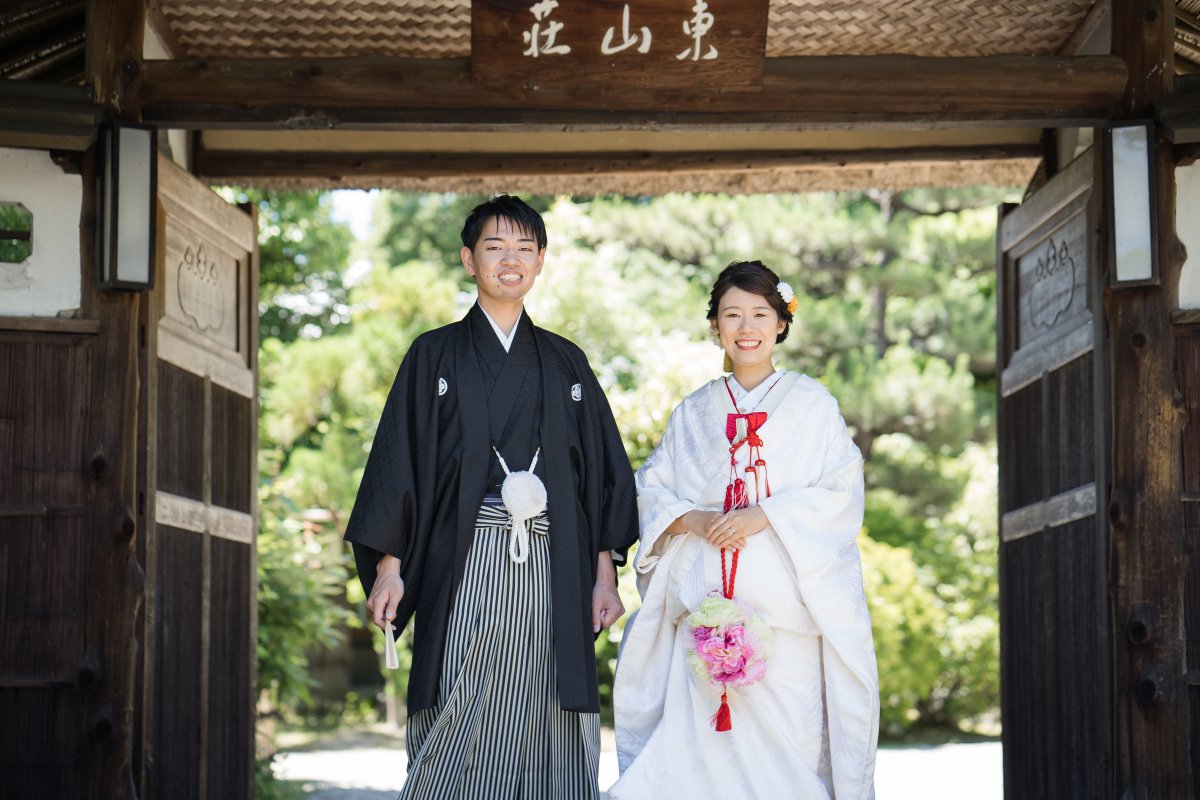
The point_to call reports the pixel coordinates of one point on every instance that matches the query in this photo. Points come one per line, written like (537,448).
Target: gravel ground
(369,764)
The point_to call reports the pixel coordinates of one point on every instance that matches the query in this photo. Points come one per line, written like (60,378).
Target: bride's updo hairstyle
(756,278)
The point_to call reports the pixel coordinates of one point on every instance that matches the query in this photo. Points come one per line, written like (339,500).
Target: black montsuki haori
(455,396)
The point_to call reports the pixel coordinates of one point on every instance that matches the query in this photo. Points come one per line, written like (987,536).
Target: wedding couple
(497,501)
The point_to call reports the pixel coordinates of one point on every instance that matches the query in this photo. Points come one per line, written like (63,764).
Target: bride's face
(746,326)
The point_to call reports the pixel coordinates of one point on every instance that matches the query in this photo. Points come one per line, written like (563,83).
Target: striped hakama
(498,730)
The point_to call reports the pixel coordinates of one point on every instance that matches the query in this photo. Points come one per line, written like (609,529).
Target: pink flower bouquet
(731,643)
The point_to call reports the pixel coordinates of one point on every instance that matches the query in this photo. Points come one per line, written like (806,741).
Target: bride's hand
(694,521)
(733,529)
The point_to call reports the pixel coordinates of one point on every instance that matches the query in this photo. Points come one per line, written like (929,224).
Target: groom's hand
(606,602)
(386,593)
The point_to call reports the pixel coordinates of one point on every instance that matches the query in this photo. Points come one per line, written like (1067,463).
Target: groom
(503,666)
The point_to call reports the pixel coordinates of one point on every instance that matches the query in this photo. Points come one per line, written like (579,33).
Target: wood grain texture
(1054,636)
(180,656)
(336,166)
(114,578)
(114,33)
(1053,645)
(1149,565)
(1187,374)
(839,91)
(231,681)
(197,713)
(1058,510)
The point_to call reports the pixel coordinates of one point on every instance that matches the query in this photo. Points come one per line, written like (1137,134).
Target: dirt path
(369,764)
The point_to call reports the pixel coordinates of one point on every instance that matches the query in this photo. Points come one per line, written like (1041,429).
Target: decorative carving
(199,289)
(1053,286)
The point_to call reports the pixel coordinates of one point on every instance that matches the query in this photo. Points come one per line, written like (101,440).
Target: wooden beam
(1186,154)
(217,164)
(40,60)
(41,41)
(1037,517)
(1099,14)
(1179,118)
(161,26)
(114,38)
(22,23)
(1149,562)
(1186,22)
(49,325)
(36,114)
(833,91)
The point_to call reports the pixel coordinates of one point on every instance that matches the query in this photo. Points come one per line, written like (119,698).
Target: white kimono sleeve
(818,525)
(659,504)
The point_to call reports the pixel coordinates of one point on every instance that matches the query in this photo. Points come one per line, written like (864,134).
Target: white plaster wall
(1187,227)
(47,284)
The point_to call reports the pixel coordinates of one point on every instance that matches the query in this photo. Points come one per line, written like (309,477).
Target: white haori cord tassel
(524,497)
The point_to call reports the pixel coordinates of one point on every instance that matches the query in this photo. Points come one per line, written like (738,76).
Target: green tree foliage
(896,317)
(301,571)
(300,585)
(15,218)
(321,398)
(302,263)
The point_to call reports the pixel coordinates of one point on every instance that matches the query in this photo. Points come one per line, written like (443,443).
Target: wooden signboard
(670,44)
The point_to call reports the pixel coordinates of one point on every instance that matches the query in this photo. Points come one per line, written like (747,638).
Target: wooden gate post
(1148,565)
(114,33)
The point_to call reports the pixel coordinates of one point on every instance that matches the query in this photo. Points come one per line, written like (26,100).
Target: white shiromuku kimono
(809,728)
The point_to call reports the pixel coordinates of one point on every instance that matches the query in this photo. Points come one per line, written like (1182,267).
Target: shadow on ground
(320,791)
(375,737)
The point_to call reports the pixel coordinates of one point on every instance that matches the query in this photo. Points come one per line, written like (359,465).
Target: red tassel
(740,498)
(721,719)
(728,497)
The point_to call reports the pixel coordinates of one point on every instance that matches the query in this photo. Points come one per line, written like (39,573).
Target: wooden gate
(1056,680)
(195,736)
(49,667)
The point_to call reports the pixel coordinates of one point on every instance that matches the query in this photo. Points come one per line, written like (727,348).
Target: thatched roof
(442,28)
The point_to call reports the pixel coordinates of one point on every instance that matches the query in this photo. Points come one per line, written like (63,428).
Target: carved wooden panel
(644,43)
(1051,282)
(202,281)
(205,262)
(1043,271)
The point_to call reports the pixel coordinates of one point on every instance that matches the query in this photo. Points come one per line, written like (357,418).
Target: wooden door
(49,667)
(1054,618)
(196,713)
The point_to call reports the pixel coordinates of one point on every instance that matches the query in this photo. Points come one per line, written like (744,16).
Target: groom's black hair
(504,206)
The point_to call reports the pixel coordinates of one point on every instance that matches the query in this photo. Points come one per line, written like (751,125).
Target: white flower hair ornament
(789,297)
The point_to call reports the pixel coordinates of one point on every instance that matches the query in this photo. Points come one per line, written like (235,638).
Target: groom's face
(505,261)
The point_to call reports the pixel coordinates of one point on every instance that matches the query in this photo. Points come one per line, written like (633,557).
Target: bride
(749,671)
